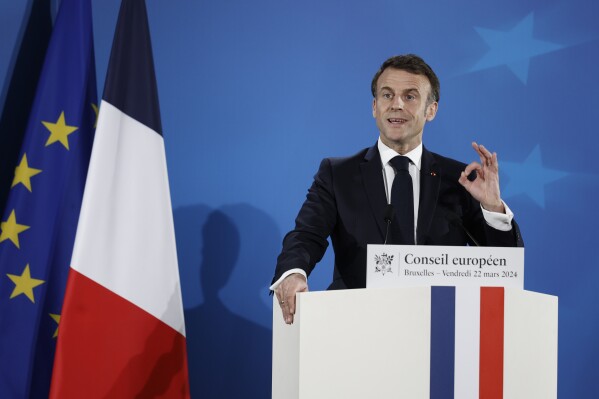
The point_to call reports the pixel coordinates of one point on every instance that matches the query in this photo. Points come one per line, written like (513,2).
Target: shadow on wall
(226,264)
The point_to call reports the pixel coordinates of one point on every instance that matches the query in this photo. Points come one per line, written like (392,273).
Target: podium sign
(429,265)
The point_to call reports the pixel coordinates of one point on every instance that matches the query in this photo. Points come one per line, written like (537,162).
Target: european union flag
(39,223)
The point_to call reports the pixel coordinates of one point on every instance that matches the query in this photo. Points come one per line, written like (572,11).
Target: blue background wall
(254,94)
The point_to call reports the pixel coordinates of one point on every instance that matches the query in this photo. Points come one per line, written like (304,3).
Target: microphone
(457,221)
(388,218)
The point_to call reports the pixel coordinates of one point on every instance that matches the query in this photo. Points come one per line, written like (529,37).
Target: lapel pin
(433,173)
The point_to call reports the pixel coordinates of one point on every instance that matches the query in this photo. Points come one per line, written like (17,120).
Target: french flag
(487,342)
(122,331)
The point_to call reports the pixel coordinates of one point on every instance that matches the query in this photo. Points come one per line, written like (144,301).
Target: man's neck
(401,149)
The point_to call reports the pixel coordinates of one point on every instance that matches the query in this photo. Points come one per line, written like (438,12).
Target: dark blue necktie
(402,199)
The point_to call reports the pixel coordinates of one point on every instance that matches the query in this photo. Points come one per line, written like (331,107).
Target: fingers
(494,161)
(284,304)
(485,188)
(479,152)
(285,293)
(463,180)
(487,159)
(472,166)
(288,305)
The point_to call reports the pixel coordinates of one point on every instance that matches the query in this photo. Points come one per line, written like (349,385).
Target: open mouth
(397,121)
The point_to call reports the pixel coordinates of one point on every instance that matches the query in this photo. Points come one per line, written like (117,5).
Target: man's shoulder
(448,165)
(364,155)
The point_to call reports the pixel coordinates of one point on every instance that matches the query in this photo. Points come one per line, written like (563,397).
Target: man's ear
(431,111)
(374,107)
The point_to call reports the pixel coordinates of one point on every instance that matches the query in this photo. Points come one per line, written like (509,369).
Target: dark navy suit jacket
(347,202)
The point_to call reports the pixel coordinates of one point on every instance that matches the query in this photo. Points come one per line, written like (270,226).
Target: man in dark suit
(437,200)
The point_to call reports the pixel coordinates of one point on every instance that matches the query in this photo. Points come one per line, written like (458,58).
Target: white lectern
(380,343)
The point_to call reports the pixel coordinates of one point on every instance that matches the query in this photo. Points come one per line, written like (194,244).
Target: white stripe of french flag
(467,340)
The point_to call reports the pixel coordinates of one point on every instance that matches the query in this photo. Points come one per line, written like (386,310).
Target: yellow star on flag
(59,131)
(10,229)
(24,284)
(23,173)
(95,108)
(56,318)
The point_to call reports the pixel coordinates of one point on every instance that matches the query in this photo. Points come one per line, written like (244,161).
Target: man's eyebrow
(408,90)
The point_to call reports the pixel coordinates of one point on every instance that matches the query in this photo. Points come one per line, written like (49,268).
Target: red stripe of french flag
(116,351)
(491,342)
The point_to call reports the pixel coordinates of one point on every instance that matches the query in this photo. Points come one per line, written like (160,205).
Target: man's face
(400,108)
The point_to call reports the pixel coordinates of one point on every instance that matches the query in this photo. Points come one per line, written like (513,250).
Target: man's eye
(387,95)
(410,97)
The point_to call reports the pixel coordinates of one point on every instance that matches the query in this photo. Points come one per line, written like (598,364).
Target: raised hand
(485,188)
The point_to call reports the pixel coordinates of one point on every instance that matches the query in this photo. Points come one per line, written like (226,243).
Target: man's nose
(397,103)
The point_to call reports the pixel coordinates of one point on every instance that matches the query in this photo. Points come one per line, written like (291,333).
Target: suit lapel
(430,180)
(372,176)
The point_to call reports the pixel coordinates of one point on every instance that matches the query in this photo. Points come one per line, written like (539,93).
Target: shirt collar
(387,153)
